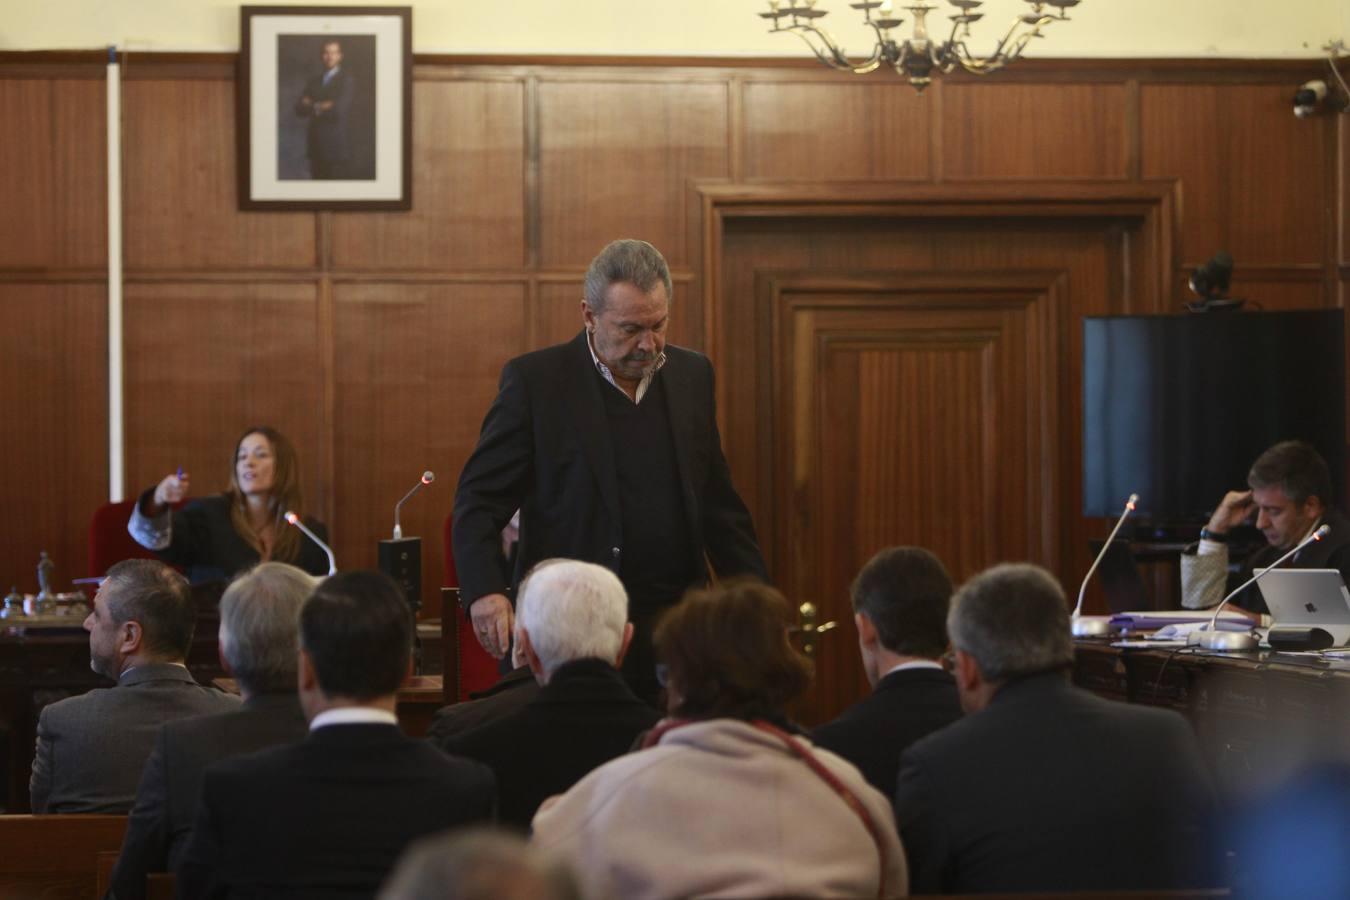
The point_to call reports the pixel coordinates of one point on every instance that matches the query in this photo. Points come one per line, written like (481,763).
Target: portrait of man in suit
(327,123)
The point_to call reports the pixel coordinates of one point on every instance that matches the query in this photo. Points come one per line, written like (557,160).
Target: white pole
(116,446)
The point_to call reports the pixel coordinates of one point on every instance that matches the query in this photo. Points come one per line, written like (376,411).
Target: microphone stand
(332,561)
(1241,641)
(1097,627)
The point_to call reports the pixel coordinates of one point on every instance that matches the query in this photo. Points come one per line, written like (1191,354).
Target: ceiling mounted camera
(1309,97)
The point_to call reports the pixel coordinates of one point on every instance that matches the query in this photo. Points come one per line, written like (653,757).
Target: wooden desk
(1258,715)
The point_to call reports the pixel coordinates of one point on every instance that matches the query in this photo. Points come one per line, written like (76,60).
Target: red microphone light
(292,517)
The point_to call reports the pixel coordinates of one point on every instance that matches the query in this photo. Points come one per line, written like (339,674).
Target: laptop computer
(1308,598)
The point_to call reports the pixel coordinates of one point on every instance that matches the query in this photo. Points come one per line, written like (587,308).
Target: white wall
(1100,28)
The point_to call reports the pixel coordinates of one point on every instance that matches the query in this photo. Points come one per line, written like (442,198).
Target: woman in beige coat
(727,799)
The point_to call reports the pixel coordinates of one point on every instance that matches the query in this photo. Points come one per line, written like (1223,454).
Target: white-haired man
(572,627)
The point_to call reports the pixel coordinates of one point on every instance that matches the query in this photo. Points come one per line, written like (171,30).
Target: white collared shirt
(916,664)
(647,376)
(353,715)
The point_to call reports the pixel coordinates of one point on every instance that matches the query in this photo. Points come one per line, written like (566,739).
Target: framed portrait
(325,107)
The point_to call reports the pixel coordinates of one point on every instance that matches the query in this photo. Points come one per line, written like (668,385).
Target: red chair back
(477,670)
(109,540)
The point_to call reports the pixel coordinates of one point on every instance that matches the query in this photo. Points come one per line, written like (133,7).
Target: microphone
(332,561)
(1212,639)
(1097,627)
(427,478)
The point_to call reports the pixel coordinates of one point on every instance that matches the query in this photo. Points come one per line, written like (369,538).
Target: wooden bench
(158,885)
(55,857)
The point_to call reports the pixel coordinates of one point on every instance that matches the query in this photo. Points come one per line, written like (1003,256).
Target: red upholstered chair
(109,541)
(477,670)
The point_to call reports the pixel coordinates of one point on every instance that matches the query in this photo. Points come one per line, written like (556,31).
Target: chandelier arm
(1021,40)
(832,55)
(1009,48)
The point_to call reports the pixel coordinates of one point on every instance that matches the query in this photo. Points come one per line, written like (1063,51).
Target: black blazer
(904,707)
(166,801)
(205,543)
(512,691)
(584,717)
(326,817)
(1051,788)
(545,449)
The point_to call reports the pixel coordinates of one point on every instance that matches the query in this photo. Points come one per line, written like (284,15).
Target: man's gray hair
(1013,620)
(478,864)
(636,262)
(572,610)
(260,625)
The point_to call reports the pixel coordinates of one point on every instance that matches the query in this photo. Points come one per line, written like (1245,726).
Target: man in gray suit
(1045,787)
(259,629)
(91,748)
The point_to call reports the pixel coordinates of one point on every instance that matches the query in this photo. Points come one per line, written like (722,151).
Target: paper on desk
(1147,642)
(1183,630)
(1149,620)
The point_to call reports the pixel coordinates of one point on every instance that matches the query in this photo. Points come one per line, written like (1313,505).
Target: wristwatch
(1218,537)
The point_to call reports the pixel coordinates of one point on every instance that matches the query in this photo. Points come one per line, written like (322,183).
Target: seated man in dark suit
(510,692)
(1288,497)
(91,748)
(900,601)
(1043,786)
(327,817)
(572,626)
(259,626)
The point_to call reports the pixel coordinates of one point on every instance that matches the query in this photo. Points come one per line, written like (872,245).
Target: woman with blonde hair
(217,536)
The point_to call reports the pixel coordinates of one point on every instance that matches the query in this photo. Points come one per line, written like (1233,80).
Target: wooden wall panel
(468,186)
(556,313)
(524,169)
(848,129)
(615,160)
(1037,130)
(179,189)
(1254,179)
(205,361)
(53,391)
(417,368)
(52,165)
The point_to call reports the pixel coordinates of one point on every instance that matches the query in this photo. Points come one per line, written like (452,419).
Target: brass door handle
(810,617)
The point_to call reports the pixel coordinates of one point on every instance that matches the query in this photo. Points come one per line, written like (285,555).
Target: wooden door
(911,411)
(900,364)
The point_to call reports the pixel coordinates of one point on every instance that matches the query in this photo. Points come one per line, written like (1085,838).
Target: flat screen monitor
(1176,408)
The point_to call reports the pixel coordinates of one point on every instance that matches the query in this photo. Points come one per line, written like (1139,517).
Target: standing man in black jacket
(609,447)
(259,624)
(900,601)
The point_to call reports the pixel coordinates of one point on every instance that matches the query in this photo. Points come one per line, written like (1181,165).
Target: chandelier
(918,56)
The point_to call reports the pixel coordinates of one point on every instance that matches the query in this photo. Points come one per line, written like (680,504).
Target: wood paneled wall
(375,340)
